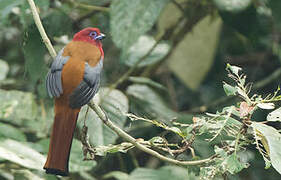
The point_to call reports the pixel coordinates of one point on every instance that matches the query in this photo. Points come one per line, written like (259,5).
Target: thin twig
(89,7)
(103,116)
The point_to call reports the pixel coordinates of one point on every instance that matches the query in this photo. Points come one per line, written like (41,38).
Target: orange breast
(73,70)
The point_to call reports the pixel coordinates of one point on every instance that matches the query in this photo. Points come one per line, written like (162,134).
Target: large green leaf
(272,143)
(6,7)
(114,104)
(131,19)
(274,115)
(34,51)
(166,172)
(151,102)
(141,48)
(76,158)
(194,55)
(4,69)
(21,154)
(17,107)
(8,131)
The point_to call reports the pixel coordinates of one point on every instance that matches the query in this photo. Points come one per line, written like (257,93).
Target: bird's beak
(100,36)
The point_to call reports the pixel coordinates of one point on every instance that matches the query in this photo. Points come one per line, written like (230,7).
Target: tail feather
(61,139)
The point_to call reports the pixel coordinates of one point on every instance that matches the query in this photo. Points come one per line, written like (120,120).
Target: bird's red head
(90,35)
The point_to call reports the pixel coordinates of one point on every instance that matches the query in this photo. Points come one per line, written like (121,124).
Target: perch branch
(100,112)
(132,140)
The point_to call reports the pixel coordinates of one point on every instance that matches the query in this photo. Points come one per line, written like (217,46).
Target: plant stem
(89,7)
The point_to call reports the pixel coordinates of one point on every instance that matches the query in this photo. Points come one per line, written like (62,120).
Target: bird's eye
(93,34)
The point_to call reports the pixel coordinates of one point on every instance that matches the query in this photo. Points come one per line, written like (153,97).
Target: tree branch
(100,112)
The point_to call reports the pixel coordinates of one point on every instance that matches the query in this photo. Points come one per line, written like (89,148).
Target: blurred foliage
(181,78)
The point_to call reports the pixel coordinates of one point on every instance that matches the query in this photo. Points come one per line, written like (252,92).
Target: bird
(73,80)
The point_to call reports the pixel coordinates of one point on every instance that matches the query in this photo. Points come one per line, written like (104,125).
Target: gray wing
(53,80)
(88,87)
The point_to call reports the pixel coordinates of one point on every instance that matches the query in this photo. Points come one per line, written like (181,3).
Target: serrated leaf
(128,21)
(229,90)
(273,142)
(103,150)
(141,48)
(114,104)
(21,154)
(234,69)
(194,55)
(234,165)
(274,115)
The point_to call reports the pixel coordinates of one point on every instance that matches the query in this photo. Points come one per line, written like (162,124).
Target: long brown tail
(61,138)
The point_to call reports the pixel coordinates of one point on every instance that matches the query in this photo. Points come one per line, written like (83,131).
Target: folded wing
(88,87)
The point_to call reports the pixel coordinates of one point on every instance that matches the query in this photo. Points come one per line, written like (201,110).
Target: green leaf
(114,104)
(116,175)
(8,131)
(274,115)
(24,174)
(273,143)
(229,90)
(21,154)
(129,20)
(138,50)
(151,102)
(234,165)
(193,57)
(17,107)
(4,69)
(234,69)
(6,7)
(165,172)
(76,163)
(103,150)
(144,80)
(232,5)
(34,51)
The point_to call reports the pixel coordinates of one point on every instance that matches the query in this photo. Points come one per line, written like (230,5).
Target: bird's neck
(91,41)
